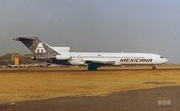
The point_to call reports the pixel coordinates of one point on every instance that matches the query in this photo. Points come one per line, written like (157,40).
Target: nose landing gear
(154,67)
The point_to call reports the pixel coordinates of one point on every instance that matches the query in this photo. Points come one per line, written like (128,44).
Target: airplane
(94,60)
(14,66)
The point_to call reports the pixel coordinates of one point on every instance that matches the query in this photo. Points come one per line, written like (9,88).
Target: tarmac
(139,100)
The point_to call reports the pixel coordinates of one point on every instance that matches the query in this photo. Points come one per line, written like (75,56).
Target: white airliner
(62,55)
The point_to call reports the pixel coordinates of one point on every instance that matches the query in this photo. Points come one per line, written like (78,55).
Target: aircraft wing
(100,62)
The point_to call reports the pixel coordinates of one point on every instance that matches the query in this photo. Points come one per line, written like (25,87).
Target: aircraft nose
(165,60)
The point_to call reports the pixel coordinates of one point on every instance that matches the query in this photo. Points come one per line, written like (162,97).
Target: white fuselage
(80,58)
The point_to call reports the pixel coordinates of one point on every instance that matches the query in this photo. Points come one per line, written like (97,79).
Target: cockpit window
(161,57)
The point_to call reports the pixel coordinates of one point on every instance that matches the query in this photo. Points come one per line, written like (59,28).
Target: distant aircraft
(62,55)
(13,66)
(42,65)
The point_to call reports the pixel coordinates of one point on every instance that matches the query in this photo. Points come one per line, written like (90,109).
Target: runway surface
(128,89)
(140,100)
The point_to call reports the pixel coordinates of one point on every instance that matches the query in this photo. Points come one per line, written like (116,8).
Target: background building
(16,59)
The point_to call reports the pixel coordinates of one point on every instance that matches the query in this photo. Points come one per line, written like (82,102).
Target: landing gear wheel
(92,67)
(154,67)
(89,68)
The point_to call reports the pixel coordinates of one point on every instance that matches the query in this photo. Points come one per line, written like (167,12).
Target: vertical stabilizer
(38,47)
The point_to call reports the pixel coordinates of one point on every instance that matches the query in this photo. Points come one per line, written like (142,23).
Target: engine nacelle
(61,49)
(62,57)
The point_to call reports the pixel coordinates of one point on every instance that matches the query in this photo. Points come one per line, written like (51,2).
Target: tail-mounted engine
(62,57)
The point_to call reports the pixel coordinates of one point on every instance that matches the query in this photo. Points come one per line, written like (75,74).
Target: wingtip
(16,38)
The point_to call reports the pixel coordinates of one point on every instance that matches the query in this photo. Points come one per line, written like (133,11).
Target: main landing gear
(92,67)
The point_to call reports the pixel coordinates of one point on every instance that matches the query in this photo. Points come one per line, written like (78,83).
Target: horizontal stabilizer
(22,38)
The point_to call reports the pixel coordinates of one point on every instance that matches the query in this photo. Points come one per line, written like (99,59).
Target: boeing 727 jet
(94,60)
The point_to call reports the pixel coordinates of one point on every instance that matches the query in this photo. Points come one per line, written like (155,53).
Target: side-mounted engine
(62,57)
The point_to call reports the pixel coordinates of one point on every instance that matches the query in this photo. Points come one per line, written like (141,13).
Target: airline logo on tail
(40,48)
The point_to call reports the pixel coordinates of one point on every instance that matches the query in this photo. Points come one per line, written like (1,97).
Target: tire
(92,67)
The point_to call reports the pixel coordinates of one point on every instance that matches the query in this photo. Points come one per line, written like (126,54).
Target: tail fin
(37,46)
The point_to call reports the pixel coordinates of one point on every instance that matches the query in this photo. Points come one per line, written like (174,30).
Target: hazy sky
(150,26)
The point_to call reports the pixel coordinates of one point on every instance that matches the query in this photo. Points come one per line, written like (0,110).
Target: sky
(148,26)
